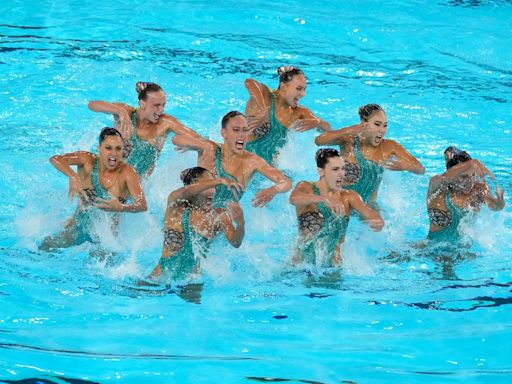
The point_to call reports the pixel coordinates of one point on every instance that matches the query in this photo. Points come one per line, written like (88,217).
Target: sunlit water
(443,74)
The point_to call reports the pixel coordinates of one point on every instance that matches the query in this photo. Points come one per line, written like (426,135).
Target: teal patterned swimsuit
(328,229)
(370,174)
(142,155)
(223,195)
(448,221)
(85,215)
(270,138)
(187,259)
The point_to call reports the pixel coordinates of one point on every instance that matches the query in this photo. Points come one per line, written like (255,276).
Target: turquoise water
(442,71)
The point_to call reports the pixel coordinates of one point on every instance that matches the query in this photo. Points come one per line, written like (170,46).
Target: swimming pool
(443,74)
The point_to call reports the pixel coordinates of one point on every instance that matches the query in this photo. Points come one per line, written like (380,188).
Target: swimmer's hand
(335,205)
(75,188)
(236,213)
(235,187)
(303,125)
(112,205)
(392,164)
(376,224)
(263,197)
(481,170)
(257,119)
(499,202)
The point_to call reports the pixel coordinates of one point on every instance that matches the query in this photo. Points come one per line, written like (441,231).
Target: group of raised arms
(208,203)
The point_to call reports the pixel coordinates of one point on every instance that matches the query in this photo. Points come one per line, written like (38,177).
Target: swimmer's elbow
(420,170)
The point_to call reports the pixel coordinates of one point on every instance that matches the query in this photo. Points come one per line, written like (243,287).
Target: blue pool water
(442,71)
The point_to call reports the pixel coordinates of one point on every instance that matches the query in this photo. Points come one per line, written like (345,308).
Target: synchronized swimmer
(208,203)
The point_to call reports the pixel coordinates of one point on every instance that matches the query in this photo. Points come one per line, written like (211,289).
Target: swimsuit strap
(100,192)
(223,195)
(370,174)
(268,145)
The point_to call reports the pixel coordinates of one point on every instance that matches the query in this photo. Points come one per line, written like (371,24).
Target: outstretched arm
(401,160)
(338,136)
(281,183)
(370,216)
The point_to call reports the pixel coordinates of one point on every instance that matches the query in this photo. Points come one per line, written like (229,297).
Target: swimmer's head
(287,72)
(192,175)
(374,123)
(143,88)
(331,167)
(235,131)
(110,148)
(323,155)
(228,116)
(454,156)
(107,131)
(152,101)
(292,84)
(366,111)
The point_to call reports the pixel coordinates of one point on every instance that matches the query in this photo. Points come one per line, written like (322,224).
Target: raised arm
(64,162)
(465,168)
(258,92)
(281,183)
(401,160)
(195,189)
(495,203)
(370,216)
(122,114)
(338,136)
(256,109)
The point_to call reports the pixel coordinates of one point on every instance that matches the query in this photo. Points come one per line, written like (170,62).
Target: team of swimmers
(208,203)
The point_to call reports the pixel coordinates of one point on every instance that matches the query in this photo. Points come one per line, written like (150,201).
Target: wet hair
(144,88)
(228,116)
(107,131)
(323,155)
(190,175)
(457,156)
(287,73)
(367,110)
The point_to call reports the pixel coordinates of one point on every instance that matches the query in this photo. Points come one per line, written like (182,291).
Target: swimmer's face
(111,151)
(236,133)
(294,90)
(153,107)
(375,128)
(333,173)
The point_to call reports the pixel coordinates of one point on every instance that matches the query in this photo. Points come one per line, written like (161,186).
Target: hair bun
(140,86)
(284,68)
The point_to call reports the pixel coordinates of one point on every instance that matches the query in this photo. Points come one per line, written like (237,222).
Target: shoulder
(304,186)
(128,171)
(350,195)
(302,112)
